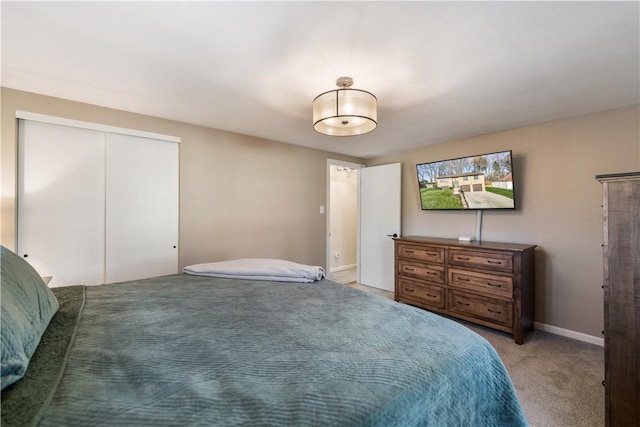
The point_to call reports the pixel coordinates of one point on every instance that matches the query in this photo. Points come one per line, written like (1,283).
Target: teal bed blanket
(188,350)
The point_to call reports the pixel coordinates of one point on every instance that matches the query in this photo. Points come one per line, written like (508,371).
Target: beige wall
(558,203)
(240,196)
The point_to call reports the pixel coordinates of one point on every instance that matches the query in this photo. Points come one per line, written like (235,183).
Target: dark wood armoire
(621,249)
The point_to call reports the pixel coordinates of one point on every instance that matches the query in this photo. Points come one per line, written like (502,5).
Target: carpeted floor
(558,379)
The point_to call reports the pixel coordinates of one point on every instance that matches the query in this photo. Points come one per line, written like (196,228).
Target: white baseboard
(344,267)
(569,334)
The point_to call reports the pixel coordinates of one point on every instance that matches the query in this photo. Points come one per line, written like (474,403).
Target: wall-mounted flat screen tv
(484,181)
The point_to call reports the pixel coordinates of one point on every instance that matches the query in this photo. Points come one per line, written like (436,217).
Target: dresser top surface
(471,245)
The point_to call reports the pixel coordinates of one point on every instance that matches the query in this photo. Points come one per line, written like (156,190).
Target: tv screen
(484,181)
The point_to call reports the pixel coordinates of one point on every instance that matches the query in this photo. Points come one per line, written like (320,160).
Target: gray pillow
(27,307)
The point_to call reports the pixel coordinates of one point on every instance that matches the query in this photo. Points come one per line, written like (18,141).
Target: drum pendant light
(345,111)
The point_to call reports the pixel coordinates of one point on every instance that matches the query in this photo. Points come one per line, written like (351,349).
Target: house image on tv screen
(467,182)
(475,182)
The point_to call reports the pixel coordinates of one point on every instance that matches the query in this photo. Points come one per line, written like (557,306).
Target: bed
(195,350)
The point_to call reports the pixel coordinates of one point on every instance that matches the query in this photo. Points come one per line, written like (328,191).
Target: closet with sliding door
(96,204)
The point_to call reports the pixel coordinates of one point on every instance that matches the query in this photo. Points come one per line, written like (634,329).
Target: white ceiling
(440,70)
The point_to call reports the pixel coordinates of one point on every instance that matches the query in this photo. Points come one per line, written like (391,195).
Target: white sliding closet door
(142,207)
(96,204)
(61,202)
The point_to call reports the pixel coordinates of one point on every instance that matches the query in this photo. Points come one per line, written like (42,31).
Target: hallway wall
(343,210)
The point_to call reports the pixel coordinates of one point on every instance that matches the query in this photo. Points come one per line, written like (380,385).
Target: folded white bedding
(276,270)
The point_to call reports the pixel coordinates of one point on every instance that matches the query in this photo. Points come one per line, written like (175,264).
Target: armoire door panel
(61,202)
(142,207)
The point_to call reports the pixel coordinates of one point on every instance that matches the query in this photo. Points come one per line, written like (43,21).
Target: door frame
(327,260)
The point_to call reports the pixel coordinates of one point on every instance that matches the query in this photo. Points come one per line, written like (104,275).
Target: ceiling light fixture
(345,111)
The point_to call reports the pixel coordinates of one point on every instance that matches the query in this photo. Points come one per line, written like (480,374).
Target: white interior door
(380,201)
(61,202)
(142,208)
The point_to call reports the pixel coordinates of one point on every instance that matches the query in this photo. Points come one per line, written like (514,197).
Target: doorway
(342,221)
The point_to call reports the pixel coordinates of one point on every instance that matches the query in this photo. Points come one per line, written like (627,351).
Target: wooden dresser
(488,283)
(621,250)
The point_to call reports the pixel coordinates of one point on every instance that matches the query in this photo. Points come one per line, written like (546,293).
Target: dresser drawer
(500,286)
(421,253)
(489,309)
(495,261)
(421,292)
(429,272)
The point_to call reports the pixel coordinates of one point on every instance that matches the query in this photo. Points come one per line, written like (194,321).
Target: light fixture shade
(345,112)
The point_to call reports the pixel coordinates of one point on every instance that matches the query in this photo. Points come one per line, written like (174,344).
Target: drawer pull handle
(494,262)
(462,279)
(432,253)
(463,303)
(409,269)
(432,273)
(409,251)
(409,290)
(494,311)
(432,296)
(463,258)
(495,285)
